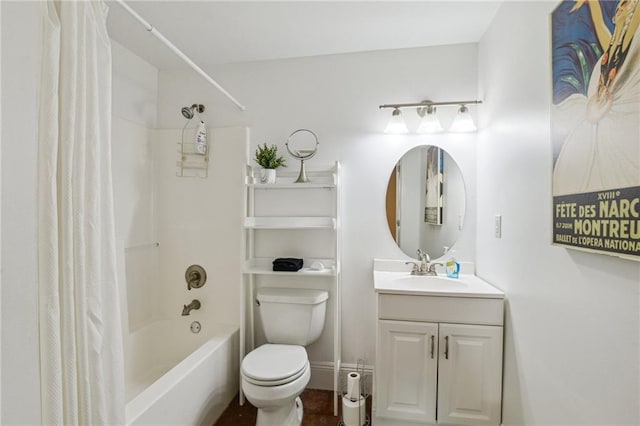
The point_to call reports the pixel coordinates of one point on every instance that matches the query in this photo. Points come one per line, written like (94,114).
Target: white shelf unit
(313,222)
(309,216)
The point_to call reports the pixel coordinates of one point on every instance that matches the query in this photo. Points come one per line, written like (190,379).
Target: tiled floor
(318,411)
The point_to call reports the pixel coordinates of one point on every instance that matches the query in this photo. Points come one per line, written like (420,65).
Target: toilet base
(287,415)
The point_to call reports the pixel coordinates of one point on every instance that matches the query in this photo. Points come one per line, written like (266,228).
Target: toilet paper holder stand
(354,396)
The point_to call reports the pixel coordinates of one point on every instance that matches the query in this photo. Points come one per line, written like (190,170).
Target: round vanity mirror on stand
(425,201)
(304,145)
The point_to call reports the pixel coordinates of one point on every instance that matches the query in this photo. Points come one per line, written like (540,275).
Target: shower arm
(178,52)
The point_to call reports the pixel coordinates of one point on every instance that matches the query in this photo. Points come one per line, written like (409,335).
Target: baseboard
(322,375)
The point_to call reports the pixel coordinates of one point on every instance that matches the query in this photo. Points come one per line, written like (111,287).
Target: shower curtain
(81,357)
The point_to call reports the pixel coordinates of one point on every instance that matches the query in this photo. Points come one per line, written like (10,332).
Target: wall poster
(434,186)
(595,126)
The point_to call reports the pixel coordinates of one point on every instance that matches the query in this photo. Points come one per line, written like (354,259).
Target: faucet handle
(432,266)
(415,268)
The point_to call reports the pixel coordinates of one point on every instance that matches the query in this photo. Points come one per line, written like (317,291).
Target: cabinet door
(470,375)
(406,370)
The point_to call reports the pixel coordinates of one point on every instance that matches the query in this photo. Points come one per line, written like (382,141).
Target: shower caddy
(309,214)
(192,163)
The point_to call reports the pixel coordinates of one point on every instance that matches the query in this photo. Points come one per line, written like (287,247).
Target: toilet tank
(292,316)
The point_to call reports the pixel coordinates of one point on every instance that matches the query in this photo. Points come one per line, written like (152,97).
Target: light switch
(498,226)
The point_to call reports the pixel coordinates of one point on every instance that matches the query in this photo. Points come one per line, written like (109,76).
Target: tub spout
(186,310)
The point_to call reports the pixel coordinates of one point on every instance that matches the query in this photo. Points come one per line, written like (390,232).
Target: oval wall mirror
(425,201)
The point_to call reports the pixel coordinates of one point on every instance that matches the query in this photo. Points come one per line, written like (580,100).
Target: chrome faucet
(426,267)
(186,310)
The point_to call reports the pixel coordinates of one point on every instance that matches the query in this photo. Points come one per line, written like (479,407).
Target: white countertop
(394,277)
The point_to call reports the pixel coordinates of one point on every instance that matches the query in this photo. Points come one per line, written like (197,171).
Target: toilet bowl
(273,376)
(276,373)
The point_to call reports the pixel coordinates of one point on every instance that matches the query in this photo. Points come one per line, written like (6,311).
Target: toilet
(276,373)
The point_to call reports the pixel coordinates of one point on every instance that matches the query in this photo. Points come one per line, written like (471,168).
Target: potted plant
(267,157)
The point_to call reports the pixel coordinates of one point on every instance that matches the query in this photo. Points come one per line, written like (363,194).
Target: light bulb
(396,124)
(429,122)
(463,121)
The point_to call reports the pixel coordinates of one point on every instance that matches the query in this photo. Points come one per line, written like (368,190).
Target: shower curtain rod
(178,52)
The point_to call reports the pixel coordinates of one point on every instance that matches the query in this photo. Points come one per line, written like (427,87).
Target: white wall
(135,87)
(572,321)
(20,37)
(338,97)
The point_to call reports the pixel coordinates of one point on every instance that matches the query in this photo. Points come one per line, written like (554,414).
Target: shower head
(189,112)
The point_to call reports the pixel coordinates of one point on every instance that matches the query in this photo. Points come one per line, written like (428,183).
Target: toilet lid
(274,363)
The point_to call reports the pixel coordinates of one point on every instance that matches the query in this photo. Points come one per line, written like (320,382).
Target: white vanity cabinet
(407,370)
(470,375)
(438,360)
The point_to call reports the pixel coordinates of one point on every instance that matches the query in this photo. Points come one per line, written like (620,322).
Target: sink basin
(402,282)
(427,282)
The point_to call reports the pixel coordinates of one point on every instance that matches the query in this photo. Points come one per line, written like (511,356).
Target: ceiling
(214,32)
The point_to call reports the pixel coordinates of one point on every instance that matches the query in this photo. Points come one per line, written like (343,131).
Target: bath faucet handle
(195,276)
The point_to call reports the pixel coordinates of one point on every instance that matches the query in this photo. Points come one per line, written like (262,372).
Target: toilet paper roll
(354,412)
(353,386)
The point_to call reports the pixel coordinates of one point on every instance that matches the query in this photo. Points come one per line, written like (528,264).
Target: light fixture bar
(429,103)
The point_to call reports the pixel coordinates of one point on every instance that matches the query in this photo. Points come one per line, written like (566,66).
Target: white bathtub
(176,377)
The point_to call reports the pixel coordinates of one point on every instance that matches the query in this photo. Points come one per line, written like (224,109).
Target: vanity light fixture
(463,122)
(396,125)
(429,122)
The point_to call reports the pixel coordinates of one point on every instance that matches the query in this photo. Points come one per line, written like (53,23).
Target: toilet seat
(273,365)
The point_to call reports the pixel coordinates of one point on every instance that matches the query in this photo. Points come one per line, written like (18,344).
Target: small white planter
(268,176)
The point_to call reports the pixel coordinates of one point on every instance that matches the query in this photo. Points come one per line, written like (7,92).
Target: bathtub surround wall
(134,193)
(572,330)
(192,220)
(135,92)
(199,222)
(337,97)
